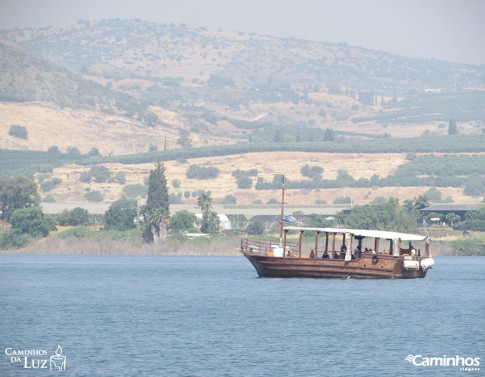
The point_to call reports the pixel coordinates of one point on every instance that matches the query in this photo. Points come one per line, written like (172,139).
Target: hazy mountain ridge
(232,85)
(25,77)
(132,86)
(115,49)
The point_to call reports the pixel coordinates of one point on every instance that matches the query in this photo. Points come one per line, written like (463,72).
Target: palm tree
(158,221)
(208,225)
(204,201)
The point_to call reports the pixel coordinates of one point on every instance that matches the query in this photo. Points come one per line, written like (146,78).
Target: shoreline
(217,246)
(103,246)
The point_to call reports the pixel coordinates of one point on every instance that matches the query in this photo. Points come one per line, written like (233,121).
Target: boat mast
(282,207)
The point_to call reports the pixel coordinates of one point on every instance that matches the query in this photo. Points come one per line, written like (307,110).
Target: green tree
(420,202)
(182,221)
(53,151)
(134,190)
(452,218)
(94,152)
(73,152)
(100,173)
(121,215)
(385,216)
(329,135)
(18,131)
(121,177)
(78,216)
(31,221)
(433,195)
(314,172)
(47,186)
(202,172)
(88,175)
(244,182)
(17,193)
(158,221)
(210,221)
(11,240)
(255,228)
(204,201)
(452,128)
(213,222)
(94,196)
(474,185)
(157,195)
(157,211)
(150,118)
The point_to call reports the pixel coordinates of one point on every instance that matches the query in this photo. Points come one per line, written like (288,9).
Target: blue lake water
(212,316)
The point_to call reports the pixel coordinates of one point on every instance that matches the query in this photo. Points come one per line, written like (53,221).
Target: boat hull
(366,267)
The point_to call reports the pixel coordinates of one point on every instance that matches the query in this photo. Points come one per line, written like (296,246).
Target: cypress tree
(157,196)
(156,211)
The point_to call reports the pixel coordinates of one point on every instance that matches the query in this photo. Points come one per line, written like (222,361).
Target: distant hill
(179,56)
(25,78)
(237,86)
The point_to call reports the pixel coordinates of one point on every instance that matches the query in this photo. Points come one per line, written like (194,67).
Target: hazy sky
(452,30)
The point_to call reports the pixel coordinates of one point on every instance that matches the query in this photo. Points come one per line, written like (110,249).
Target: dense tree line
(428,144)
(425,171)
(29,162)
(389,215)
(474,221)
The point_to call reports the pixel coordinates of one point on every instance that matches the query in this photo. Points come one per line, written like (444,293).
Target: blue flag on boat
(288,219)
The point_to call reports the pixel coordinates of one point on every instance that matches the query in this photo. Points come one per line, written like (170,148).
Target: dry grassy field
(71,190)
(49,125)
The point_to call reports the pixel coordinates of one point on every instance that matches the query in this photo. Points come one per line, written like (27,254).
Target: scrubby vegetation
(19,132)
(202,172)
(93,196)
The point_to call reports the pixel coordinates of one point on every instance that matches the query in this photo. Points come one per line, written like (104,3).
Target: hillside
(266,165)
(25,78)
(112,134)
(215,86)
(124,51)
(233,100)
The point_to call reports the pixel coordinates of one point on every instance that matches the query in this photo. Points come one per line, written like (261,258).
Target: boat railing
(264,247)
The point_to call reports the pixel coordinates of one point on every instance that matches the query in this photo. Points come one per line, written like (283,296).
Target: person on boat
(343,250)
(357,253)
(289,254)
(335,255)
(312,254)
(325,254)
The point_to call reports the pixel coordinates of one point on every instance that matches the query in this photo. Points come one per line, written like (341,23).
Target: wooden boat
(346,253)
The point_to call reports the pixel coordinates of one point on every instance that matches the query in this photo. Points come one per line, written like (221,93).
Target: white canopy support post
(284,242)
(300,240)
(396,247)
(427,244)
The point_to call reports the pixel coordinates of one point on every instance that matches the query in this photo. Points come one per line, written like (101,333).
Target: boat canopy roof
(363,233)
